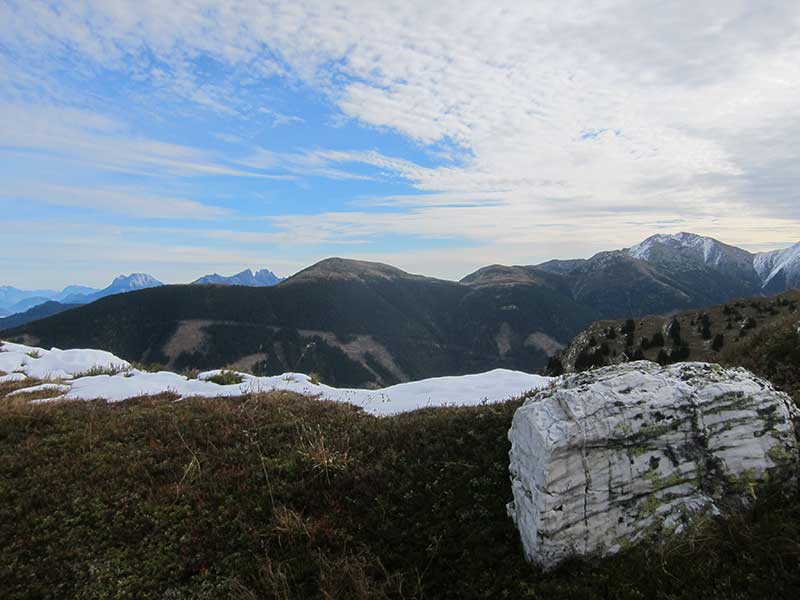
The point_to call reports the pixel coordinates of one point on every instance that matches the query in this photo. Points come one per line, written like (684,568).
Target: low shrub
(226,378)
(280,496)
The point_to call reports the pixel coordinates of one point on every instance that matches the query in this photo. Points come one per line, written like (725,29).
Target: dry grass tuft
(288,523)
(324,453)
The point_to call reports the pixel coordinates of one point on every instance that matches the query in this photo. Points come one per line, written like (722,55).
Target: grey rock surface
(607,458)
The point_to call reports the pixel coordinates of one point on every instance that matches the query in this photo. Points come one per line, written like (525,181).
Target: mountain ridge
(353,322)
(364,323)
(685,248)
(35,313)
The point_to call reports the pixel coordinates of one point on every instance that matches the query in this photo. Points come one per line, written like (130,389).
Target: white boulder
(606,458)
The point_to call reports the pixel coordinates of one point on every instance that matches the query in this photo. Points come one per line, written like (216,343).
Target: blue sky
(218,136)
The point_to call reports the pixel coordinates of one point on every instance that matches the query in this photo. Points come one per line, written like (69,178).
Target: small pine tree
(674,331)
(598,360)
(680,353)
(554,367)
(718,343)
(663,357)
(705,327)
(658,340)
(583,361)
(629,327)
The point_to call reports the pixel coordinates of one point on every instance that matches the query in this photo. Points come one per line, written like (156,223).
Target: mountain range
(14,300)
(17,302)
(358,323)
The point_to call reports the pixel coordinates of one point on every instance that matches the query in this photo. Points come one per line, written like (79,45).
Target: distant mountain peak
(690,248)
(503,275)
(135,281)
(779,269)
(248,278)
(120,285)
(349,269)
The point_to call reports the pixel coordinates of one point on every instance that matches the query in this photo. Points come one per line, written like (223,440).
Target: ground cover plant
(280,496)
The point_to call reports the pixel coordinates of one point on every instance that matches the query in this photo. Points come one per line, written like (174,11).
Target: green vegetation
(226,378)
(706,335)
(772,352)
(279,496)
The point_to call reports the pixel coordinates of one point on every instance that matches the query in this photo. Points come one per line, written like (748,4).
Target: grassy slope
(279,496)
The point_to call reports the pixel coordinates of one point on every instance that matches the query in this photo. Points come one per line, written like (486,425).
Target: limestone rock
(609,457)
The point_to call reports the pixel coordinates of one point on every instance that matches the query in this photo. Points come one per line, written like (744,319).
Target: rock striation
(609,457)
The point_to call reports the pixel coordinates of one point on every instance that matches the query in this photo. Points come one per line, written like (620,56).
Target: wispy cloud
(126,201)
(564,126)
(279,119)
(104,143)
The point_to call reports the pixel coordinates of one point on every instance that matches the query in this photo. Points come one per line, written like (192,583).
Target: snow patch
(463,390)
(56,364)
(13,377)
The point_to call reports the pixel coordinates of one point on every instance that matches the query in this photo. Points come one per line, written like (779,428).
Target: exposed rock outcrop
(609,457)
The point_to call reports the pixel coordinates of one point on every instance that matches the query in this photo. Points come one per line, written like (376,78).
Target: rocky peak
(248,278)
(135,281)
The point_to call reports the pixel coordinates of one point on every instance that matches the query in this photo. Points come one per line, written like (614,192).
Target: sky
(196,136)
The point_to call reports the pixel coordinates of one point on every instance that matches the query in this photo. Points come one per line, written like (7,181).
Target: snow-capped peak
(779,268)
(135,281)
(690,247)
(774,271)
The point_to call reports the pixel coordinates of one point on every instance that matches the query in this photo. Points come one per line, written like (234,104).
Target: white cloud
(126,201)
(612,118)
(103,143)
